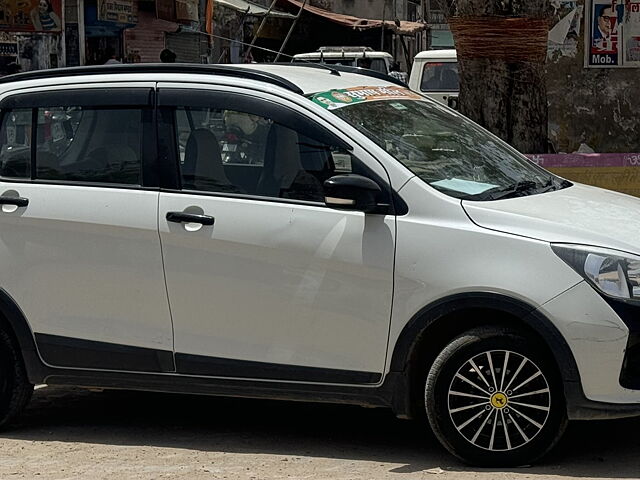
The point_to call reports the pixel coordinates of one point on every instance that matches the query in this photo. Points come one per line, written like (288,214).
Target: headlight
(616,274)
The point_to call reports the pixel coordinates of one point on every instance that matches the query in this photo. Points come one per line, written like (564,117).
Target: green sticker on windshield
(333,99)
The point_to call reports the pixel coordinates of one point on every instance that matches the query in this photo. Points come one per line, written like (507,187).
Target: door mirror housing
(351,192)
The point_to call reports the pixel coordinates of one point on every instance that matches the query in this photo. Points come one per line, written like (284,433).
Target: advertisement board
(613,33)
(120,11)
(31,15)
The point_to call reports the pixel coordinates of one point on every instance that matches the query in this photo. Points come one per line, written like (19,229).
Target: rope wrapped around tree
(509,39)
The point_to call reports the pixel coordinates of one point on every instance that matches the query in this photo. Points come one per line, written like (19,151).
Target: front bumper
(603,347)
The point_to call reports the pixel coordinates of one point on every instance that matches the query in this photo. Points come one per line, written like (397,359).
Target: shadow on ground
(603,449)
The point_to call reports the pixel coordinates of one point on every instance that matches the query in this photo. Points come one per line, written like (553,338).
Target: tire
(467,398)
(15,389)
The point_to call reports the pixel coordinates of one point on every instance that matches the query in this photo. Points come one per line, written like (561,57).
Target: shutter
(185,45)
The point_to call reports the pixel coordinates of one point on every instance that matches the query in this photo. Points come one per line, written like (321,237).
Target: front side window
(440,77)
(73,143)
(224,150)
(444,149)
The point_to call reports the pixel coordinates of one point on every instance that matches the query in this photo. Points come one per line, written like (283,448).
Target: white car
(435,74)
(369,246)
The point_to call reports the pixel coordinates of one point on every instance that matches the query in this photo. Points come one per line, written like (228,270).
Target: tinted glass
(15,135)
(83,144)
(448,151)
(440,77)
(237,152)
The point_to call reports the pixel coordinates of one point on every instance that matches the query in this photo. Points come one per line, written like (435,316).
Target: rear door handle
(17,201)
(182,217)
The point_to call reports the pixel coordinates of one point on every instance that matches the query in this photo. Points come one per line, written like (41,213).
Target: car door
(79,247)
(264,280)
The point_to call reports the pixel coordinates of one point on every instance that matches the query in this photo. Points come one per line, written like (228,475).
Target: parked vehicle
(435,73)
(364,57)
(368,247)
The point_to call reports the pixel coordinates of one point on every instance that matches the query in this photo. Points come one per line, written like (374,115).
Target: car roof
(299,78)
(313,79)
(438,54)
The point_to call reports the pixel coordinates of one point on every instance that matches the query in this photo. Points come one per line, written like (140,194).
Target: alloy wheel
(499,400)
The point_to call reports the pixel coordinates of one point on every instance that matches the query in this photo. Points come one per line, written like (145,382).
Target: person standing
(167,56)
(111,57)
(396,73)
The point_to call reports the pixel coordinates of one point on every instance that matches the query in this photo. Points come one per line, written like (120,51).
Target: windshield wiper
(514,190)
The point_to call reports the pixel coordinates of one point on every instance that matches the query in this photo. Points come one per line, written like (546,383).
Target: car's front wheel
(493,398)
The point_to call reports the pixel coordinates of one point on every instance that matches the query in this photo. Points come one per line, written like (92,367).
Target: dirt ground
(69,434)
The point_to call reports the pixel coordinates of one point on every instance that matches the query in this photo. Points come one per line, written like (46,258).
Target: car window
(442,148)
(223,150)
(77,144)
(89,144)
(15,136)
(440,77)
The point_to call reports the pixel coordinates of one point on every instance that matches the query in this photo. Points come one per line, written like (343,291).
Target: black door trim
(61,351)
(226,367)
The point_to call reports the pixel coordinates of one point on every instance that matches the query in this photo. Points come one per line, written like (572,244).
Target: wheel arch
(431,328)
(13,320)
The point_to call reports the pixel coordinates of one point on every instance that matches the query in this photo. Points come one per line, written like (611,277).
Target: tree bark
(507,97)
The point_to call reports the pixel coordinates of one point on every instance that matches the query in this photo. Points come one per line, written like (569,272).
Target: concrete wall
(599,107)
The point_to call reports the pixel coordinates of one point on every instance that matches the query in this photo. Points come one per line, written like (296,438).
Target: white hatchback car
(308,233)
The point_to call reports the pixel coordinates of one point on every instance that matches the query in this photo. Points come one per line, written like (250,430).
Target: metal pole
(293,25)
(257,34)
(384,11)
(81,33)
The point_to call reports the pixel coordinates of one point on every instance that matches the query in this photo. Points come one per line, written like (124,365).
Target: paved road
(70,433)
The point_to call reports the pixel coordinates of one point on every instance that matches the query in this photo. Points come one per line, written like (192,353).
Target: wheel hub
(499,400)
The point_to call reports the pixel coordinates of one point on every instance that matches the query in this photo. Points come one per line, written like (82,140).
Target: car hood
(577,214)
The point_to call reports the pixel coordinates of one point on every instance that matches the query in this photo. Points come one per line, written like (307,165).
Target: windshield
(440,77)
(446,150)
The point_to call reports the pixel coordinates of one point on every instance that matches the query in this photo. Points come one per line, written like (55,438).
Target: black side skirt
(61,351)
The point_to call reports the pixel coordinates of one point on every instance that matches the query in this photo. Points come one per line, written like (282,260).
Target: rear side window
(80,136)
(82,144)
(15,135)
(440,77)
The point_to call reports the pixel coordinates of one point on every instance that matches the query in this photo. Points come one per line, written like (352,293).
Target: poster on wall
(120,11)
(30,15)
(613,28)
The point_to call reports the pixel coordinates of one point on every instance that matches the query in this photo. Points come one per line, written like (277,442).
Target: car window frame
(172,98)
(123,95)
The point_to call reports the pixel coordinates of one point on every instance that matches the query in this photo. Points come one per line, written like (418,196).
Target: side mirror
(351,192)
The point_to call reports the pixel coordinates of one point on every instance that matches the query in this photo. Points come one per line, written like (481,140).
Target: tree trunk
(505,95)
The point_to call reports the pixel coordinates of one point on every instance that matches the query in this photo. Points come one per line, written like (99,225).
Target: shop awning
(252,8)
(357,23)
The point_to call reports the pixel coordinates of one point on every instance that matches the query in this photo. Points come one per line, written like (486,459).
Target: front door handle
(182,217)
(17,201)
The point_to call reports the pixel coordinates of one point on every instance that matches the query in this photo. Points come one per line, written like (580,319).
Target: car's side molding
(426,321)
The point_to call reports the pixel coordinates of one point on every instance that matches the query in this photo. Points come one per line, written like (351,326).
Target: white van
(364,57)
(435,73)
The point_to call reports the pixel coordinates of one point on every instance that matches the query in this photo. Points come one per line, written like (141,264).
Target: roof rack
(345,49)
(349,69)
(227,70)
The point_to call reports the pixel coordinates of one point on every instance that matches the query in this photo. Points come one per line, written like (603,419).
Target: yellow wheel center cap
(499,400)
